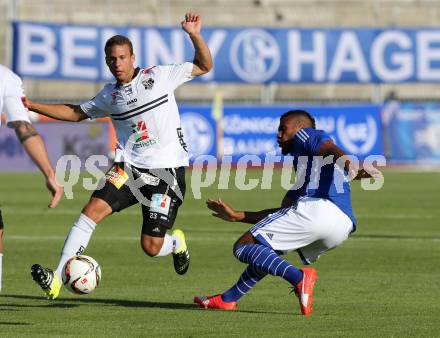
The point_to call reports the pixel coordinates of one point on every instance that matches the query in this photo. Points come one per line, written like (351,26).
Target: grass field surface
(382,282)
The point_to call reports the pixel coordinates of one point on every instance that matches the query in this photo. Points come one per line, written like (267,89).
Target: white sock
(170,242)
(1,264)
(76,241)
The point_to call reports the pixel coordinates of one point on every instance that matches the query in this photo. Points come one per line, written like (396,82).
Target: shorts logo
(148,84)
(156,229)
(160,203)
(269,235)
(116,176)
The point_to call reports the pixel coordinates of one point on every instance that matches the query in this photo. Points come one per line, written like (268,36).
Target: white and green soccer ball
(81,274)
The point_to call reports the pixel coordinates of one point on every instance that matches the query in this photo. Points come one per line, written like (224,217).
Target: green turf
(383,282)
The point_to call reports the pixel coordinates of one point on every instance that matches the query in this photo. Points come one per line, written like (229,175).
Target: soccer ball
(81,274)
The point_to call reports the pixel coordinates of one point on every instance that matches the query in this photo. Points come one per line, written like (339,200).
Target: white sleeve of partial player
(94,107)
(176,74)
(13,99)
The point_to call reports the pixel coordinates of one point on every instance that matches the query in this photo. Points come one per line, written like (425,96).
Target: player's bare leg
(76,242)
(163,246)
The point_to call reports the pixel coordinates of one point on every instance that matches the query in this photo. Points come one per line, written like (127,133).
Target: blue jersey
(315,178)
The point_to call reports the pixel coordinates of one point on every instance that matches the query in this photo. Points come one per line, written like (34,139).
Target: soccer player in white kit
(315,217)
(151,150)
(11,103)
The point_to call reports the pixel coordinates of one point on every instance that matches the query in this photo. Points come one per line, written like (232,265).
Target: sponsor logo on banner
(198,132)
(255,55)
(358,138)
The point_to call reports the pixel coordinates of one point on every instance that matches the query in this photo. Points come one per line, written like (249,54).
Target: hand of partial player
(192,23)
(55,189)
(26,102)
(223,210)
(362,173)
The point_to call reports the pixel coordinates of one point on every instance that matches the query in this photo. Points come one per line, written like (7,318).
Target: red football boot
(304,290)
(214,302)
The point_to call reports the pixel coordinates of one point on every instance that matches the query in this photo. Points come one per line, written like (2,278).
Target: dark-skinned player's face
(287,129)
(120,62)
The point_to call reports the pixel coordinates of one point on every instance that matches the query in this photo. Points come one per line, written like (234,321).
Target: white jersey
(11,96)
(145,116)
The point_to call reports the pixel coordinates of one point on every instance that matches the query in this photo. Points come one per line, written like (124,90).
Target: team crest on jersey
(140,129)
(148,84)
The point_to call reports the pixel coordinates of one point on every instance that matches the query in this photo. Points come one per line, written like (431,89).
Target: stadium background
(381,283)
(366,110)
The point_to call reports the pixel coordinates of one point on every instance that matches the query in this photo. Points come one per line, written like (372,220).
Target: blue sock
(266,260)
(247,280)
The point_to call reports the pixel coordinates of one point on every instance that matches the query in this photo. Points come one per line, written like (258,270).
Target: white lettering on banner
(133,34)
(237,124)
(326,123)
(36,41)
(157,52)
(403,60)
(233,146)
(72,51)
(364,133)
(348,58)
(297,57)
(426,56)
(214,43)
(254,55)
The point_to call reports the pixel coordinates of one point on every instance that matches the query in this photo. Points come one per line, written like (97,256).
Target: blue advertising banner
(412,132)
(243,130)
(61,138)
(253,129)
(243,55)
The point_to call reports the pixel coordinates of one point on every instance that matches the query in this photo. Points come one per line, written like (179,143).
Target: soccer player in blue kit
(314,217)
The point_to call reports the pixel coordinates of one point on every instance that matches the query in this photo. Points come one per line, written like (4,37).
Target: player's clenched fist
(192,23)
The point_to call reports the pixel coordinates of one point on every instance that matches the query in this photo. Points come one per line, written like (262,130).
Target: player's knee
(97,209)
(151,245)
(246,238)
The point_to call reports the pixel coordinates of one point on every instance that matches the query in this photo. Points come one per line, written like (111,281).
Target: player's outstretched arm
(192,24)
(62,112)
(225,211)
(34,146)
(341,158)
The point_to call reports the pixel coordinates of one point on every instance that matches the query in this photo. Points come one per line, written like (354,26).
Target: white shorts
(311,227)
